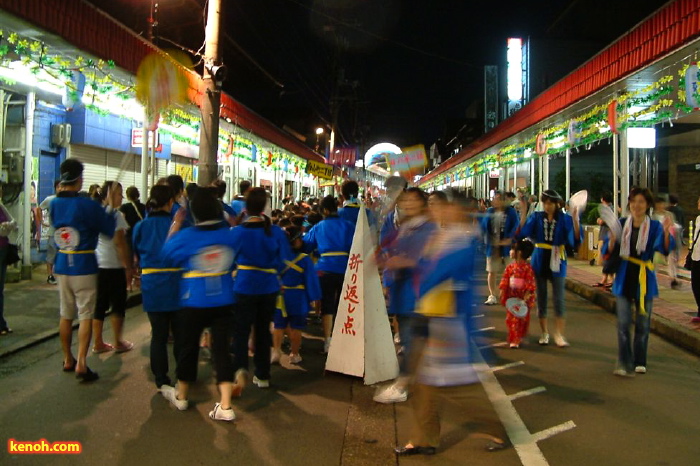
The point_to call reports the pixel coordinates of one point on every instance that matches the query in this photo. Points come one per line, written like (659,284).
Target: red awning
(667,30)
(93,31)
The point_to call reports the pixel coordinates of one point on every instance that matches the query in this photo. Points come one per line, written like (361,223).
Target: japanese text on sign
(319,169)
(351,294)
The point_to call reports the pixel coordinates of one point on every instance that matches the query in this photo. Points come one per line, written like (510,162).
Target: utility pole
(211,101)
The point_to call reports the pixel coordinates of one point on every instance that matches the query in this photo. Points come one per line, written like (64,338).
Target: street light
(319,132)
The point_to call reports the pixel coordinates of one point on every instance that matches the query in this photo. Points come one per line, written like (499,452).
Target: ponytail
(160,196)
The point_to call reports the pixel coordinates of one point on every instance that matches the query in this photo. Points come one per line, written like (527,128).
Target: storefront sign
(137,137)
(322,170)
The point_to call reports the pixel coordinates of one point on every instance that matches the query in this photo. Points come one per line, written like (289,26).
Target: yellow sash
(64,251)
(298,287)
(196,274)
(438,302)
(150,271)
(562,249)
(643,266)
(335,253)
(251,267)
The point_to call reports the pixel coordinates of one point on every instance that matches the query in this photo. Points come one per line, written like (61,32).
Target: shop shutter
(102,165)
(94,161)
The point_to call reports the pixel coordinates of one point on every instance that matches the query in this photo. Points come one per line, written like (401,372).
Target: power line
(386,39)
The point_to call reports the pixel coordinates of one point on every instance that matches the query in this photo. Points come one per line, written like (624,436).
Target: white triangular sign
(362,344)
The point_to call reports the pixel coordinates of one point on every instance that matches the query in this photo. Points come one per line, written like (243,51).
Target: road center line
(486,329)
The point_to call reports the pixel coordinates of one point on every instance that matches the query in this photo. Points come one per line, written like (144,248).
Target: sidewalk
(672,311)
(32,311)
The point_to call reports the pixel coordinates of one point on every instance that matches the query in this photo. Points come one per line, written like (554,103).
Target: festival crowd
(234,280)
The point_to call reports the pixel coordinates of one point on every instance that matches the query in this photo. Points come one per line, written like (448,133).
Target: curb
(133,300)
(665,328)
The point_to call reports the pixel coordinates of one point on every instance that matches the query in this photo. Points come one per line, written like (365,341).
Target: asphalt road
(311,418)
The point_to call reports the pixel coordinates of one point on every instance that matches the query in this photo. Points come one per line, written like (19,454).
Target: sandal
(124,346)
(70,368)
(105,348)
(87,376)
(5,331)
(599,285)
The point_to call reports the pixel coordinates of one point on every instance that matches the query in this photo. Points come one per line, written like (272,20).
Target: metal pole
(211,103)
(568,173)
(26,224)
(616,171)
(532,177)
(545,172)
(153,160)
(144,157)
(625,171)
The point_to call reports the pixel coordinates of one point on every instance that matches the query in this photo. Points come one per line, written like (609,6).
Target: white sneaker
(391,394)
(514,345)
(170,394)
(561,341)
(326,345)
(261,383)
(544,339)
(275,357)
(640,369)
(623,373)
(220,414)
(491,300)
(294,358)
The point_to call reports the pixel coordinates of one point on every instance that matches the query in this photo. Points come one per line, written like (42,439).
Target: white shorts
(497,264)
(78,295)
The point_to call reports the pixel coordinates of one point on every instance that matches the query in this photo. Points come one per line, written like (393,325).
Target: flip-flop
(87,376)
(123,347)
(106,348)
(70,368)
(599,285)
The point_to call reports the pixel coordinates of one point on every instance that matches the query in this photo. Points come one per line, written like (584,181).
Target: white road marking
(486,329)
(494,345)
(545,434)
(524,393)
(526,448)
(478,315)
(523,441)
(507,366)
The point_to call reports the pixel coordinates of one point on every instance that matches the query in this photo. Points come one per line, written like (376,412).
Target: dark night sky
(410,67)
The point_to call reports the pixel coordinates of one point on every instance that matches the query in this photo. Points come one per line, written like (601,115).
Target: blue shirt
(301,273)
(455,267)
(654,244)
(205,253)
(238,205)
(511,223)
(349,213)
(78,222)
(264,252)
(563,236)
(332,238)
(409,243)
(160,289)
(189,219)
